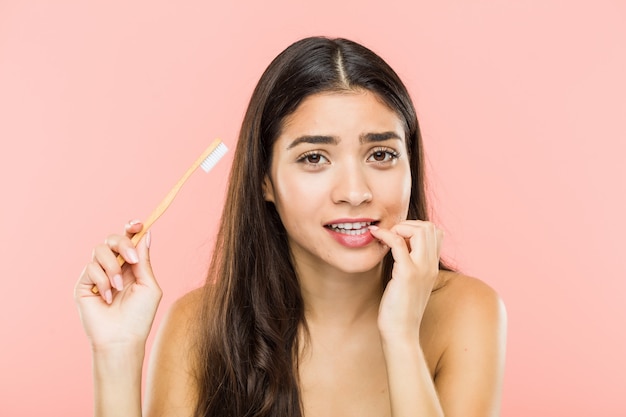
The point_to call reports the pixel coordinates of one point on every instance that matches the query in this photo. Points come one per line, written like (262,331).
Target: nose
(352,187)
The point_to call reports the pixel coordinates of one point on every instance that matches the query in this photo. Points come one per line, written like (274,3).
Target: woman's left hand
(415,246)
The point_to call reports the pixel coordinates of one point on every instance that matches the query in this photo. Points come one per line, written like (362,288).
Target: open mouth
(353,229)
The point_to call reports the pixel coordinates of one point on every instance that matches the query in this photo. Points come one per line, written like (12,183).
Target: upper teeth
(350,226)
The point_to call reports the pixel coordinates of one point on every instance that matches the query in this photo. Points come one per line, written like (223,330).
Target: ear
(268,189)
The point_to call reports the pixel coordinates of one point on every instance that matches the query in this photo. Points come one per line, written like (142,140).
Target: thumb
(440,235)
(143,269)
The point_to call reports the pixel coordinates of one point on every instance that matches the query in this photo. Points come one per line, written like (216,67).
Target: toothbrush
(209,158)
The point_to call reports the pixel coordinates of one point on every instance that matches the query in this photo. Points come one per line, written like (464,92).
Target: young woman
(326,295)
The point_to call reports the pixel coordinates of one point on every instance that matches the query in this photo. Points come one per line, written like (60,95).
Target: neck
(339,299)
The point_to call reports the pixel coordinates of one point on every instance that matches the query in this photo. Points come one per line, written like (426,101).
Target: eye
(312,158)
(383,156)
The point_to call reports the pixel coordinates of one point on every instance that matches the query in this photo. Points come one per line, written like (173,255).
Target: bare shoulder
(177,327)
(467,324)
(462,310)
(187,306)
(464,295)
(171,382)
(466,306)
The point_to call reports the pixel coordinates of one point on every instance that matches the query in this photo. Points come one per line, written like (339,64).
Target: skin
(430,344)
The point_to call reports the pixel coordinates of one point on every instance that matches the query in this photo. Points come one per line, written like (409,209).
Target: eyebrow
(378,137)
(314,139)
(332,140)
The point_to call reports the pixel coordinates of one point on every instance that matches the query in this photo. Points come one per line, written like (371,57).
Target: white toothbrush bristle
(214,157)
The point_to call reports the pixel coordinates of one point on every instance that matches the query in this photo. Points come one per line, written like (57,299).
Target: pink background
(104,104)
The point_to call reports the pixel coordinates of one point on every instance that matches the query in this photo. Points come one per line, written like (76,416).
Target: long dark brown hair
(253,308)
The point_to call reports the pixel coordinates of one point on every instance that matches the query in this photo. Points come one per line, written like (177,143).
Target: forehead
(339,113)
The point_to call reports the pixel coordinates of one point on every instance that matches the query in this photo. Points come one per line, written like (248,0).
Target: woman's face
(339,164)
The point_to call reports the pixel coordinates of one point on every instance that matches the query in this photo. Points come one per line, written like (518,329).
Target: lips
(351,233)
(350,228)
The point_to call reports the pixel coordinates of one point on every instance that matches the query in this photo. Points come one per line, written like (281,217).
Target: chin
(359,263)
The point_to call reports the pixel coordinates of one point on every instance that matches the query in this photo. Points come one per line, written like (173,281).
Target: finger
(123,246)
(142,270)
(94,275)
(440,235)
(423,239)
(397,244)
(408,228)
(132,227)
(107,262)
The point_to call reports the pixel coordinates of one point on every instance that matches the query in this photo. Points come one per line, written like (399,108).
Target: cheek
(295,198)
(398,208)
(301,190)
(395,194)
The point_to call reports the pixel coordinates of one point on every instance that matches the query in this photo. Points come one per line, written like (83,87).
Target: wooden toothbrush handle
(165,203)
(150,221)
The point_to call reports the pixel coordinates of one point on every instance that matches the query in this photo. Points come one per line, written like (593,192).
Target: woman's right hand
(121,314)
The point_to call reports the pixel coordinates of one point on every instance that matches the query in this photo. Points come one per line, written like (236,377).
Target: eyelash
(304,158)
(390,156)
(389,153)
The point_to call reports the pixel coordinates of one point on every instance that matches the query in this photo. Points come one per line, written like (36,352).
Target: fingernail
(372,227)
(118,282)
(132,256)
(131,224)
(148,239)
(108,296)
